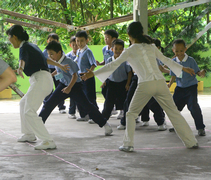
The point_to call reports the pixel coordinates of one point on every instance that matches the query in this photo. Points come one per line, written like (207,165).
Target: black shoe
(201,132)
(171,130)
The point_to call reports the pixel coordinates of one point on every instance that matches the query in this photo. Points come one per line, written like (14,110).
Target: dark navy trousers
(61,105)
(115,91)
(188,96)
(90,92)
(79,97)
(152,105)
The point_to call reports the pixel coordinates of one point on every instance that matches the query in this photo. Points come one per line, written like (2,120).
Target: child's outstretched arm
(171,81)
(164,69)
(129,77)
(201,73)
(188,70)
(61,66)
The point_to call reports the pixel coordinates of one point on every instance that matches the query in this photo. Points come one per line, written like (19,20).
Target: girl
(33,63)
(141,55)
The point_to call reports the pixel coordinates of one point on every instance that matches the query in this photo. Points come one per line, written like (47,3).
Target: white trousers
(41,85)
(159,90)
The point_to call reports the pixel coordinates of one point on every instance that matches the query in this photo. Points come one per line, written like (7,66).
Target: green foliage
(183,23)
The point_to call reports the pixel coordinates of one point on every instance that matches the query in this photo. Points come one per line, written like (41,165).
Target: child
(85,60)
(54,37)
(110,35)
(72,55)
(7,75)
(141,55)
(119,81)
(33,63)
(185,92)
(70,86)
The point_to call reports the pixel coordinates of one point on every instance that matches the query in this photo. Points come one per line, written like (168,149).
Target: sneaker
(171,130)
(201,132)
(121,127)
(27,138)
(86,118)
(114,112)
(108,129)
(144,123)
(162,127)
(126,148)
(62,111)
(137,120)
(45,145)
(121,114)
(194,147)
(91,121)
(71,116)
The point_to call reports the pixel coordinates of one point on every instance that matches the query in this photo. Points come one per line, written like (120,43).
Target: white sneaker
(126,148)
(71,116)
(45,145)
(86,118)
(144,123)
(62,111)
(137,120)
(114,112)
(108,129)
(162,127)
(91,121)
(120,114)
(121,127)
(27,138)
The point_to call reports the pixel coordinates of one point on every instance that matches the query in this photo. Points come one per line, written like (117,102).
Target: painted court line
(57,157)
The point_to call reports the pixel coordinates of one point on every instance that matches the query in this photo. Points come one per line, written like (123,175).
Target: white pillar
(140,13)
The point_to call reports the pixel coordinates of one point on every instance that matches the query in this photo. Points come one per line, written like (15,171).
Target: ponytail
(18,31)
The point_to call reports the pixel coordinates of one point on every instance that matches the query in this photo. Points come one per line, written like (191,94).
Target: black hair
(82,34)
(135,30)
(54,46)
(119,42)
(113,33)
(72,39)
(157,43)
(179,41)
(17,30)
(54,36)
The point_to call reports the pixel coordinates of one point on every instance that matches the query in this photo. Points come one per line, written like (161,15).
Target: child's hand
(103,85)
(202,73)
(127,87)
(87,75)
(64,67)
(188,70)
(169,85)
(66,90)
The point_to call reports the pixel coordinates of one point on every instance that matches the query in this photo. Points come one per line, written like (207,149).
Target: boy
(69,86)
(110,35)
(54,37)
(85,60)
(185,92)
(72,55)
(119,81)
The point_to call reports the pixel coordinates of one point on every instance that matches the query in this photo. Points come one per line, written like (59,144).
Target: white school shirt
(142,58)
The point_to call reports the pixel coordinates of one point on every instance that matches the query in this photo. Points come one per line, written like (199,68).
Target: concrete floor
(84,153)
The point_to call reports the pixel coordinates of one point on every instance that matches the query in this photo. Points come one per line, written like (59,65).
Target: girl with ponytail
(33,63)
(141,55)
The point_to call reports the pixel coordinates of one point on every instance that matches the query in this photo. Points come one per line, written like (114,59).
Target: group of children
(132,82)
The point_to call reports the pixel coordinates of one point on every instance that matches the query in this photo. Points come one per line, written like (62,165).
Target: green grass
(97,51)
